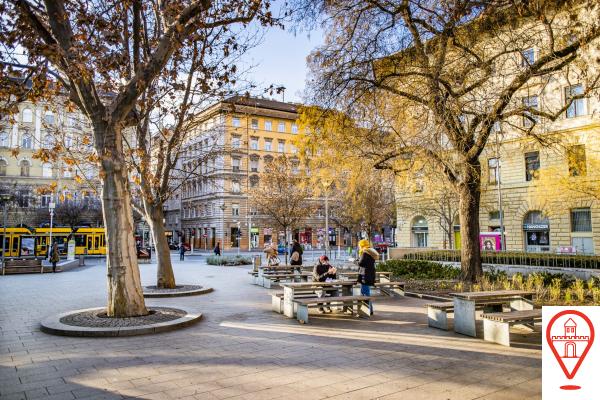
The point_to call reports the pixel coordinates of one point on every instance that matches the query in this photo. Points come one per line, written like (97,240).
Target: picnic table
(465,303)
(289,287)
(266,270)
(379,276)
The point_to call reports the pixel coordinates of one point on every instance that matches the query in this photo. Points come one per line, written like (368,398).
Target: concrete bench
(24,266)
(277,298)
(496,326)
(361,302)
(437,313)
(253,277)
(267,279)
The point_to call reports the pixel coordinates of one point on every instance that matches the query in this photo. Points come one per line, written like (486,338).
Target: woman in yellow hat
(366,272)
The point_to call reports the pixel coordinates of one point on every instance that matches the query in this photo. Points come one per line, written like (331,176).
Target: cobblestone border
(53,326)
(186,290)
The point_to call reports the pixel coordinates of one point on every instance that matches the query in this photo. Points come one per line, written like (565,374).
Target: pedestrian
(181,252)
(296,253)
(54,257)
(366,272)
(218,250)
(321,272)
(272,259)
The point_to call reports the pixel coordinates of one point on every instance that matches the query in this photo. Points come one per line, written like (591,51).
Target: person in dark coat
(321,272)
(218,250)
(54,257)
(181,252)
(296,248)
(366,272)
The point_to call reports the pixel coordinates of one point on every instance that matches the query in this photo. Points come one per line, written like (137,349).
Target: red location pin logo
(569,346)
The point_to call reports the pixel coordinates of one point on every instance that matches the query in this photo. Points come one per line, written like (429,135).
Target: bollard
(81,260)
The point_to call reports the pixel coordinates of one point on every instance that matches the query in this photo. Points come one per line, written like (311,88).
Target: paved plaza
(241,349)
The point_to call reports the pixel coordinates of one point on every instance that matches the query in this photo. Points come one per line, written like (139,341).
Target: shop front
(169,236)
(254,238)
(332,237)
(267,236)
(306,238)
(536,228)
(320,238)
(420,232)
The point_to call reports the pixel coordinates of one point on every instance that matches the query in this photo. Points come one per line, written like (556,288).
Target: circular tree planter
(93,322)
(179,291)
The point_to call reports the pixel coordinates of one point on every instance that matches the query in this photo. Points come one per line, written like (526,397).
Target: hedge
(228,260)
(513,258)
(421,270)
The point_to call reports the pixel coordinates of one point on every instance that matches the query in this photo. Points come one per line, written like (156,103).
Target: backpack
(295,256)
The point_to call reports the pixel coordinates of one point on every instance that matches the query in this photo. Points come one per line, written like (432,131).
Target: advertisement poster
(27,246)
(71,250)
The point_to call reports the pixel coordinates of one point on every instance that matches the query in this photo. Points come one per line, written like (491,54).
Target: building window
(268,145)
(494,215)
(281,127)
(494,171)
(236,122)
(235,186)
(236,142)
(254,123)
(581,220)
(235,164)
(576,108)
(254,181)
(47,170)
(3,168)
(254,166)
(27,115)
(532,103)
(528,57)
(70,120)
(295,129)
(89,173)
(49,118)
(26,141)
(67,173)
(235,209)
(254,144)
(68,141)
(532,165)
(268,126)
(281,146)
(23,199)
(48,142)
(293,148)
(25,166)
(45,200)
(4,139)
(577,160)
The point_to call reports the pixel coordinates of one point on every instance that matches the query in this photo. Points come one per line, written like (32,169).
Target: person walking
(218,250)
(54,257)
(366,272)
(296,253)
(272,259)
(321,272)
(181,252)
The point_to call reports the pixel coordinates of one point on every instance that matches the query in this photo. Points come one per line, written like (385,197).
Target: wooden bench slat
(513,316)
(286,275)
(440,306)
(389,284)
(331,299)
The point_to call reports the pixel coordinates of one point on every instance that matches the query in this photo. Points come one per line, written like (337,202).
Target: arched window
(26,141)
(27,115)
(3,165)
(4,139)
(535,218)
(25,166)
(47,170)
(48,142)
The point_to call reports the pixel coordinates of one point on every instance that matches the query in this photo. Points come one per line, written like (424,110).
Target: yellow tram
(89,241)
(60,235)
(12,242)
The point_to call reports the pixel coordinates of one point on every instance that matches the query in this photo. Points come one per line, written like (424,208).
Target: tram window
(80,240)
(89,242)
(96,242)
(15,246)
(7,243)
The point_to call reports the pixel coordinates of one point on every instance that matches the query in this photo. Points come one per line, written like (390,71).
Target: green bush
(513,258)
(228,260)
(421,270)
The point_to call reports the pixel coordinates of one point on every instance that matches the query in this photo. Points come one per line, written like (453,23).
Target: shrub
(228,260)
(415,269)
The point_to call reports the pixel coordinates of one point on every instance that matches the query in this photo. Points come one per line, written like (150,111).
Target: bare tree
(71,212)
(443,75)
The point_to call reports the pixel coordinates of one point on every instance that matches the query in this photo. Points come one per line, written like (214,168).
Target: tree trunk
(165,279)
(469,191)
(285,229)
(125,298)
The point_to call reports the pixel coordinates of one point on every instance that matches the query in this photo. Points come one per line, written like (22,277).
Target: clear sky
(282,61)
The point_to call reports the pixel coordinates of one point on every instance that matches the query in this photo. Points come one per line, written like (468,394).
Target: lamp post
(5,198)
(143,232)
(326,183)
(51,207)
(223,207)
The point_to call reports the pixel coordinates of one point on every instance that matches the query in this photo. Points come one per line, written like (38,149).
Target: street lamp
(223,207)
(51,207)
(143,232)
(326,184)
(5,198)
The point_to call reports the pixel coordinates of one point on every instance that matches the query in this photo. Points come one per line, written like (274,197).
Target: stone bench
(267,279)
(496,326)
(437,313)
(24,266)
(361,302)
(277,298)
(253,277)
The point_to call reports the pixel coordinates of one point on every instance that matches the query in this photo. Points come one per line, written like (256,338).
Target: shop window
(576,108)
(581,220)
(577,160)
(420,232)
(532,165)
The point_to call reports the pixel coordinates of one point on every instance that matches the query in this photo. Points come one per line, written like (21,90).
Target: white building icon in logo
(573,345)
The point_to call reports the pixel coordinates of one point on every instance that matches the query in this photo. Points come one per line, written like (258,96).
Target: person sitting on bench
(321,272)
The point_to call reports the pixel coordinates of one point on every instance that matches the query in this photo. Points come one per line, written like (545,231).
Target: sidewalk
(243,350)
